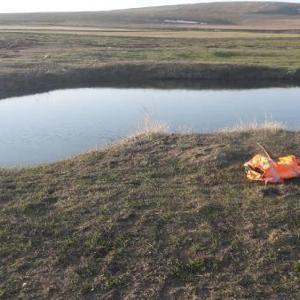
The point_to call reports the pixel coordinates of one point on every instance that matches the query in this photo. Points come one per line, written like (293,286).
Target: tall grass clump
(151,127)
(267,125)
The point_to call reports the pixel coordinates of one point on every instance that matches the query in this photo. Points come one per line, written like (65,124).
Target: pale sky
(84,5)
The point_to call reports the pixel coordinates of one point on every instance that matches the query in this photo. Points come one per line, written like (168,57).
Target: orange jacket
(262,168)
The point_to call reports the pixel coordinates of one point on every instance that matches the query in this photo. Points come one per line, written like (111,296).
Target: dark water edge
(162,76)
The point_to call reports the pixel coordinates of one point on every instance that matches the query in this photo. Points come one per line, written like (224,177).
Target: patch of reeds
(267,125)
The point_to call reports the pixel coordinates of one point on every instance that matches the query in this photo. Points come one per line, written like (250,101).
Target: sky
(86,5)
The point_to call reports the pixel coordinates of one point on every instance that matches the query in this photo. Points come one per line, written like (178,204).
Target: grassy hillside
(257,14)
(154,217)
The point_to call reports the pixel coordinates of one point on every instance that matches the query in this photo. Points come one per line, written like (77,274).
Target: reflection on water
(56,125)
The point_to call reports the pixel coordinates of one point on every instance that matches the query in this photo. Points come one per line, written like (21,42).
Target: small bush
(225,54)
(2,292)
(190,269)
(87,288)
(151,127)
(297,267)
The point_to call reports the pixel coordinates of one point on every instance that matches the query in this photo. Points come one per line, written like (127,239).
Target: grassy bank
(156,216)
(39,61)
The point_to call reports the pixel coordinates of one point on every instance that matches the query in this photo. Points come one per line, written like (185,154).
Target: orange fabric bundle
(263,168)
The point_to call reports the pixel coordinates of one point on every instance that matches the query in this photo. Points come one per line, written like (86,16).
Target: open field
(225,43)
(158,216)
(150,32)
(41,59)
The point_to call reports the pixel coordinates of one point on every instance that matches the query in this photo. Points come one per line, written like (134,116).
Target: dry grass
(142,33)
(267,125)
(149,128)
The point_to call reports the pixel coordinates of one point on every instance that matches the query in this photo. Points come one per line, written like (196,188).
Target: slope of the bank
(145,74)
(155,217)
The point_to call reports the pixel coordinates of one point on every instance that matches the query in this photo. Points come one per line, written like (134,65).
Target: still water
(56,125)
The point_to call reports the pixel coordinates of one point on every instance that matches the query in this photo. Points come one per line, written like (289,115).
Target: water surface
(56,125)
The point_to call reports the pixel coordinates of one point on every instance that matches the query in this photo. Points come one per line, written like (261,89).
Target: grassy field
(30,50)
(35,59)
(158,216)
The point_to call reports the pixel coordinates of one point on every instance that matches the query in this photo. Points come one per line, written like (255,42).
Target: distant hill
(203,14)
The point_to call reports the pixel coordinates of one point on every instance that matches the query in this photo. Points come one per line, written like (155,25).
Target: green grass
(297,267)
(57,51)
(157,216)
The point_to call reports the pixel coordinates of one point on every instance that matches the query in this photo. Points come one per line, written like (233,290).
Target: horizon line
(151,6)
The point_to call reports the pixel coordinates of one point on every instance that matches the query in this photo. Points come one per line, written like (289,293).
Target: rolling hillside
(253,14)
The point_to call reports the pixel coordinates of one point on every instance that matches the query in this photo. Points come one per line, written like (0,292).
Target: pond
(56,125)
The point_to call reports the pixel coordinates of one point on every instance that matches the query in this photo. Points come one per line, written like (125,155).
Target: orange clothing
(265,169)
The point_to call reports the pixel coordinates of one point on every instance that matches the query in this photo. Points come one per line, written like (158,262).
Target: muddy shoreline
(147,75)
